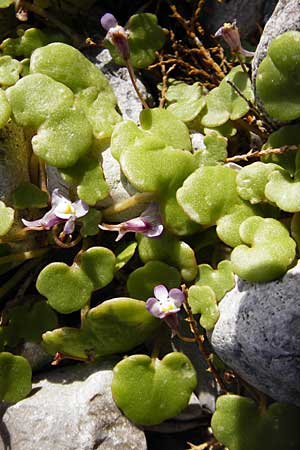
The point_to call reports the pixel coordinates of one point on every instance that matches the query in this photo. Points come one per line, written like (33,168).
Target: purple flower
(231,35)
(62,210)
(116,35)
(148,223)
(165,305)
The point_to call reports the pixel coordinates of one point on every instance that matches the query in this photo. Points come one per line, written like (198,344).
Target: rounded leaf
(6,218)
(28,195)
(239,424)
(142,281)
(69,66)
(63,138)
(15,377)
(169,249)
(220,280)
(5,109)
(170,381)
(10,70)
(278,77)
(66,288)
(98,263)
(145,38)
(35,98)
(208,194)
(202,300)
(268,253)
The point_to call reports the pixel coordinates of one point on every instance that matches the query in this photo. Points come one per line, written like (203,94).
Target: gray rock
(248,14)
(36,356)
(118,77)
(286,17)
(258,335)
(70,409)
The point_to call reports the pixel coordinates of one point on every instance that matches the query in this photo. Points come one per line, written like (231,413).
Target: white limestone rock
(70,408)
(258,335)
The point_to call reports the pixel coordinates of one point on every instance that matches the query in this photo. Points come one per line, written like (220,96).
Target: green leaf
(102,115)
(87,174)
(251,181)
(145,38)
(220,280)
(69,66)
(215,151)
(98,263)
(15,377)
(228,226)
(284,191)
(10,70)
(114,326)
(35,98)
(28,195)
(124,254)
(202,300)
(5,109)
(6,218)
(27,41)
(184,101)
(239,424)
(224,103)
(176,133)
(175,220)
(208,194)
(277,81)
(157,168)
(90,223)
(6,3)
(141,282)
(63,138)
(28,322)
(171,250)
(288,135)
(170,381)
(67,289)
(268,252)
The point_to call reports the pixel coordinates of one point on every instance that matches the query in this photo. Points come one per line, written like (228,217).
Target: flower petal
(177,296)
(108,21)
(81,208)
(161,292)
(153,307)
(70,225)
(154,231)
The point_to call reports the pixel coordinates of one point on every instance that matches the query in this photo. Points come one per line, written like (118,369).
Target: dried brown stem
(200,341)
(259,153)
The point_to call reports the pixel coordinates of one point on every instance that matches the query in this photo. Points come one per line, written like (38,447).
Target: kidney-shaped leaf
(149,391)
(278,77)
(145,38)
(239,424)
(141,282)
(202,300)
(208,194)
(15,377)
(268,253)
(6,218)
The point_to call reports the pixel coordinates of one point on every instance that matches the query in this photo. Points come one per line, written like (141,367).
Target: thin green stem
(144,197)
(200,341)
(134,83)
